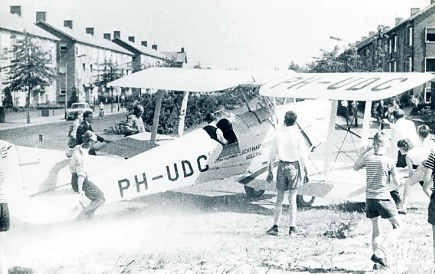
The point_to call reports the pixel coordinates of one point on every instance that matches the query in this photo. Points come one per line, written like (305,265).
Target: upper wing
(345,86)
(181,79)
(195,80)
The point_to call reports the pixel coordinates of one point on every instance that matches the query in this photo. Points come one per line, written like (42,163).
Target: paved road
(54,132)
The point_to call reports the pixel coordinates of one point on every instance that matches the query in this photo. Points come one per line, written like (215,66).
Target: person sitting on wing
(213,131)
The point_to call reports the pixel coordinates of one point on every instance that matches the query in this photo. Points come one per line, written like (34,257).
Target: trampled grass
(225,238)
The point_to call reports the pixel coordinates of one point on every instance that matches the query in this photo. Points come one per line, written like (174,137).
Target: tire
(304,201)
(252,193)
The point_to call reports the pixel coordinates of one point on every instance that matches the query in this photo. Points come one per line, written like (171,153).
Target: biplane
(196,157)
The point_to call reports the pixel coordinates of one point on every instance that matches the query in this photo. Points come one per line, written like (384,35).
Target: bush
(199,104)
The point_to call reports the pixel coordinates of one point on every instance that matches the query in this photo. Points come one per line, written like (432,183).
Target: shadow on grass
(326,270)
(231,201)
(359,207)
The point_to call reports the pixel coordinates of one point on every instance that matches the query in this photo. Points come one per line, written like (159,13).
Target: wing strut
(366,123)
(329,141)
(156,117)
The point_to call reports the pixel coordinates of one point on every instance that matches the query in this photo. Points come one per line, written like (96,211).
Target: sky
(229,34)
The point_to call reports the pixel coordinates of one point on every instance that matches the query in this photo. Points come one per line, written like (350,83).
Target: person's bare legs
(292,207)
(375,236)
(405,196)
(278,207)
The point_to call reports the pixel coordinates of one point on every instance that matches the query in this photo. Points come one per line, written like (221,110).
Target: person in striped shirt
(381,178)
(429,176)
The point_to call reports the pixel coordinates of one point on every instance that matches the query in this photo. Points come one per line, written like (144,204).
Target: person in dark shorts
(429,177)
(80,182)
(401,128)
(289,148)
(381,178)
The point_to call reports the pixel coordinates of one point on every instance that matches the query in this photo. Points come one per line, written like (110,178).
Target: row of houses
(408,46)
(78,57)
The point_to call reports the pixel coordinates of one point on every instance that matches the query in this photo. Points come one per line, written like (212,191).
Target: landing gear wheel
(303,200)
(252,193)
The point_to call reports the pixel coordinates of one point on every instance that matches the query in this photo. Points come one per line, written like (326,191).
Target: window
(84,66)
(393,66)
(367,52)
(390,46)
(430,34)
(90,67)
(430,64)
(410,33)
(427,94)
(395,43)
(409,63)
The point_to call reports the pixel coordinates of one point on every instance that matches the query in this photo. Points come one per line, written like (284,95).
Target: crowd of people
(408,147)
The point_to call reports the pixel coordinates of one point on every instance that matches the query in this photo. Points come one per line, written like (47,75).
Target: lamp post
(64,69)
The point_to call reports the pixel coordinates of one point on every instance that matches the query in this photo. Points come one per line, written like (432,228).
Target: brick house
(408,46)
(12,29)
(81,58)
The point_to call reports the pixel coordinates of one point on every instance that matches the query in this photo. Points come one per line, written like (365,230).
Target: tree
(108,72)
(337,61)
(295,67)
(29,69)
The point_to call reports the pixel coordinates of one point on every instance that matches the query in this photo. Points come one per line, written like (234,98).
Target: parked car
(77,108)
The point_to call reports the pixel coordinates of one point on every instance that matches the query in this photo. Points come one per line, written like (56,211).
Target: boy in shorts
(381,178)
(289,148)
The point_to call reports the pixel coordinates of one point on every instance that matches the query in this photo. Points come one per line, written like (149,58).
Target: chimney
(68,23)
(398,20)
(414,11)
(116,34)
(90,30)
(41,16)
(182,50)
(16,10)
(144,43)
(154,47)
(131,39)
(106,36)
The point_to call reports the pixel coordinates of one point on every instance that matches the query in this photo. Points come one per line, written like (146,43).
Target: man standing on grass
(288,146)
(381,178)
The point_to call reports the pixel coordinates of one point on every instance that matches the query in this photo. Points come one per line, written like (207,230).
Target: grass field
(175,234)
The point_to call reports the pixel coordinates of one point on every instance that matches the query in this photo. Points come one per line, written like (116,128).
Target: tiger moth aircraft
(195,157)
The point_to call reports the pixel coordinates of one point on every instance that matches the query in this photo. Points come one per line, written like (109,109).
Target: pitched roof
(411,18)
(141,49)
(418,14)
(85,38)
(12,22)
(178,57)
